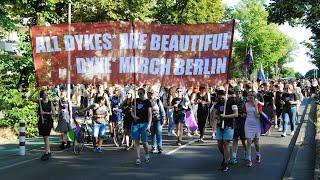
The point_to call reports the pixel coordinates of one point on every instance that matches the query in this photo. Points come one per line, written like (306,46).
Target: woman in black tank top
(203,101)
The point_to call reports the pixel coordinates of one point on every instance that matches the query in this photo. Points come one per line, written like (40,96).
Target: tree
(270,46)
(19,15)
(304,12)
(190,12)
(311,73)
(287,72)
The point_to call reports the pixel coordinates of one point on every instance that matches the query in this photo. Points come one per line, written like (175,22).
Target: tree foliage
(304,12)
(270,47)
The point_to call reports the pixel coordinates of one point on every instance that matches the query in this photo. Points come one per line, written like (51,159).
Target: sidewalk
(302,160)
(31,144)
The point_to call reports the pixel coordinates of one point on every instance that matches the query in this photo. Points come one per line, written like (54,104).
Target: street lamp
(69,52)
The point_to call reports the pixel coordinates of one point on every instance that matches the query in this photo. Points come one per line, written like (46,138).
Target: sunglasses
(141,93)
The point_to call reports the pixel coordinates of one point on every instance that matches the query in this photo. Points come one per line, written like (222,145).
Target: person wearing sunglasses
(239,126)
(142,118)
(127,117)
(225,117)
(179,104)
(158,115)
(289,100)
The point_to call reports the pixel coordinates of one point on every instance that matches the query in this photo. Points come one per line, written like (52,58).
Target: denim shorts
(224,135)
(139,132)
(99,130)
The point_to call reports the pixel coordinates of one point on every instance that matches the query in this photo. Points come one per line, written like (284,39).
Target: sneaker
(160,151)
(138,161)
(189,135)
(292,133)
(233,161)
(283,135)
(153,150)
(99,150)
(225,168)
(94,149)
(263,134)
(213,136)
(280,129)
(258,158)
(196,133)
(45,157)
(200,141)
(147,158)
(179,143)
(248,163)
(174,134)
(276,126)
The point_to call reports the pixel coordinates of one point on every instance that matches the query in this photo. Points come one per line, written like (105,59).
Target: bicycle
(82,134)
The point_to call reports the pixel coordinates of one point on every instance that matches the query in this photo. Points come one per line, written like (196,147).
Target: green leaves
(270,47)
(304,12)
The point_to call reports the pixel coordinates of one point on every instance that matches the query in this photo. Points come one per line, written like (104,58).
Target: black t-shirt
(278,99)
(286,97)
(268,97)
(231,104)
(177,110)
(142,107)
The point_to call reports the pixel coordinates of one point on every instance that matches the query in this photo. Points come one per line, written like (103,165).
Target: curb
(298,165)
(317,139)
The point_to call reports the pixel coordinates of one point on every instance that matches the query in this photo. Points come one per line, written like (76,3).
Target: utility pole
(69,53)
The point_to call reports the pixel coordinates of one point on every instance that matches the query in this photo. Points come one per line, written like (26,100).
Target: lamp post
(69,53)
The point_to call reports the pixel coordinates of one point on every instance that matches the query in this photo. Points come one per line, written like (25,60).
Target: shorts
(239,133)
(179,118)
(139,132)
(99,130)
(224,135)
(45,128)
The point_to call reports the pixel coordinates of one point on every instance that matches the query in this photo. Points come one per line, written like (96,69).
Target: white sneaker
(292,133)
(138,161)
(276,126)
(189,135)
(280,129)
(283,135)
(174,134)
(147,158)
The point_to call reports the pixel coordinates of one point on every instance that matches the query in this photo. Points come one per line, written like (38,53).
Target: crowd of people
(233,111)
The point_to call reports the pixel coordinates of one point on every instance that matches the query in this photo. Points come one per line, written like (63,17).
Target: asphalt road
(194,161)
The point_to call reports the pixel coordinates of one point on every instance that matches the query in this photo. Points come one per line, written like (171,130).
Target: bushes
(15,108)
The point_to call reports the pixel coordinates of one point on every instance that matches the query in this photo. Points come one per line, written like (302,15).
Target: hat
(237,88)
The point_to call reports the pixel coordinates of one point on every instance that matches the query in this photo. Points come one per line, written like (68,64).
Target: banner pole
(69,53)
(134,72)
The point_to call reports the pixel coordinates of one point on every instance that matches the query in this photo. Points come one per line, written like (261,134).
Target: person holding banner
(203,100)
(45,121)
(142,115)
(225,111)
(252,127)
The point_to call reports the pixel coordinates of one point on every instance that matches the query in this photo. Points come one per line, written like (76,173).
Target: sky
(301,61)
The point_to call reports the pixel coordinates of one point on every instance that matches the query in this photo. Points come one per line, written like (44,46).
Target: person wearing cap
(225,117)
(239,126)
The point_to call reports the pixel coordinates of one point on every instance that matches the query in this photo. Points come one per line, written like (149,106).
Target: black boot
(68,144)
(62,145)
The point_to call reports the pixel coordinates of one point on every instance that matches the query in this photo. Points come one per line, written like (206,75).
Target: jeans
(171,124)
(289,115)
(156,135)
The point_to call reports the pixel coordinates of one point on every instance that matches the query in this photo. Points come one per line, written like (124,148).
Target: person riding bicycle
(100,119)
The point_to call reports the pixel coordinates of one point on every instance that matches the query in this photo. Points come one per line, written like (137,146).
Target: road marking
(180,147)
(17,164)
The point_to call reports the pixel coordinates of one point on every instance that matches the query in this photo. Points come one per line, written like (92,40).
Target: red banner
(132,52)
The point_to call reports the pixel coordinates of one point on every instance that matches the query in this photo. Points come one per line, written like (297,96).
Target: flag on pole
(249,58)
(261,75)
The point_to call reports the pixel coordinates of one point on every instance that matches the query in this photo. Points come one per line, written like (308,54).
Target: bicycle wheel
(79,140)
